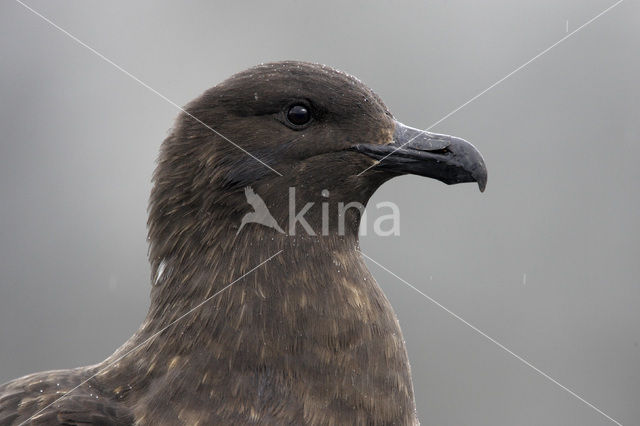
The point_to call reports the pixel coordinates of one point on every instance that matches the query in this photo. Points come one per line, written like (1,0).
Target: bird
(248,324)
(260,214)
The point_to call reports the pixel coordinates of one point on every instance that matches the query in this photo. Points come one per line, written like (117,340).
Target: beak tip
(482,185)
(480,173)
(482,181)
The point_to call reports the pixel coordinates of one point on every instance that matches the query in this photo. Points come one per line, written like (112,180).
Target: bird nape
(261,312)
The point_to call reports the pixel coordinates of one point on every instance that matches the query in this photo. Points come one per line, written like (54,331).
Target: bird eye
(298,115)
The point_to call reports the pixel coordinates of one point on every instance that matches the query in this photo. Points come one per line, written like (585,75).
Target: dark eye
(298,115)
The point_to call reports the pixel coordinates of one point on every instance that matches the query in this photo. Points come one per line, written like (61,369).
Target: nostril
(441,151)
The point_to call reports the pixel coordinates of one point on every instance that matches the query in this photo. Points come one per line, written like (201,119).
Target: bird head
(295,124)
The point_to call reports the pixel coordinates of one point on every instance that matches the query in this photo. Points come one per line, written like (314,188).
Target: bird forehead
(298,79)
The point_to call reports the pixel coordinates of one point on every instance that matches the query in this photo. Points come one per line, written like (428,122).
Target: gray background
(560,137)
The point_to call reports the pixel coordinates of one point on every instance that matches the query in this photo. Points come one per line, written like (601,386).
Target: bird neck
(261,264)
(273,317)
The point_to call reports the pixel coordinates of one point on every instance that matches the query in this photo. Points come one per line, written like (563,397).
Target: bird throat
(263,316)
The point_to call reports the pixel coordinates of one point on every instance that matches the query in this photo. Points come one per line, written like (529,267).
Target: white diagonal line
(498,82)
(525,64)
(142,83)
(500,345)
(153,336)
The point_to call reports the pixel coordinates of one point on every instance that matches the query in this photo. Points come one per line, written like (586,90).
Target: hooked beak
(413,151)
